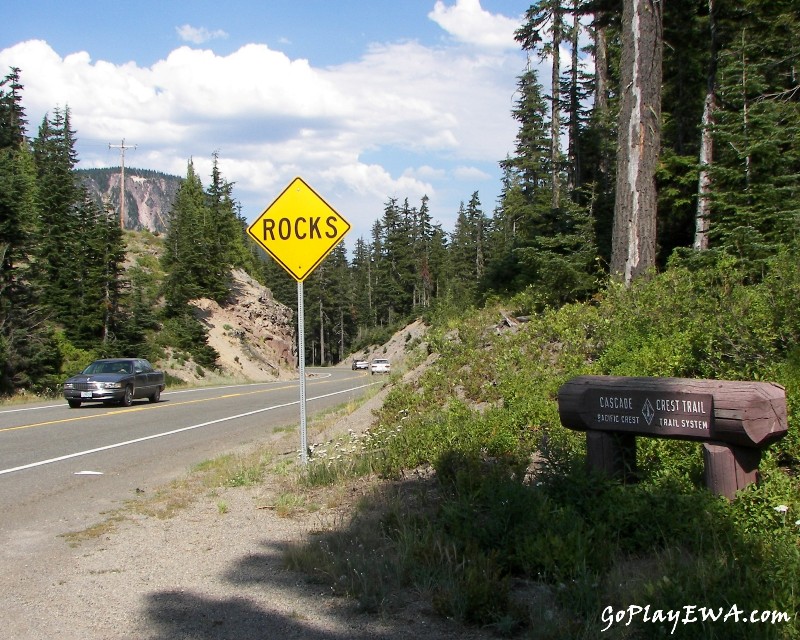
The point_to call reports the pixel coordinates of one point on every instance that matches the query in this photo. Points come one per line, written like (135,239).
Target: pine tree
(328,303)
(98,283)
(598,136)
(12,113)
(756,173)
(29,357)
(223,236)
(392,296)
(362,310)
(706,154)
(17,181)
(59,246)
(504,274)
(468,251)
(684,90)
(422,247)
(525,211)
(185,258)
(548,16)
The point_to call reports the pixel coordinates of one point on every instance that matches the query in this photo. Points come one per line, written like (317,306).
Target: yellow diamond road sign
(299,229)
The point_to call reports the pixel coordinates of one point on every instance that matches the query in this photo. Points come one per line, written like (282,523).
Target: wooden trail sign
(734,420)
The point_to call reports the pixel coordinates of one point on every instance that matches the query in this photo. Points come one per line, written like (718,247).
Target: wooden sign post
(734,421)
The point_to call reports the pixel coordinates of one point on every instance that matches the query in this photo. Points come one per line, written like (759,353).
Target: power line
(122,149)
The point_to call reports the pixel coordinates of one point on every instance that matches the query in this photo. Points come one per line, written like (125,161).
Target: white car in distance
(379,365)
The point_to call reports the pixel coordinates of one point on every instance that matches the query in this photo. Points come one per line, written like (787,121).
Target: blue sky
(365,100)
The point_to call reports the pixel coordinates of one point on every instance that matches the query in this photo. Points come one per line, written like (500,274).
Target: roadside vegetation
(488,512)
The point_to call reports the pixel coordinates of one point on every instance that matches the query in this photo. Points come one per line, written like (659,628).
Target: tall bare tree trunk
(574,152)
(601,71)
(601,101)
(633,249)
(703,215)
(555,109)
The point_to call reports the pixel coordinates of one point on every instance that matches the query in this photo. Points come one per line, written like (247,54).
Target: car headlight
(109,385)
(69,385)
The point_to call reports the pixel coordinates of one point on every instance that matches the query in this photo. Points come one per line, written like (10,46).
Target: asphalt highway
(62,468)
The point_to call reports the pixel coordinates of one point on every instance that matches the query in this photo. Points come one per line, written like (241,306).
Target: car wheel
(74,404)
(156,395)
(127,399)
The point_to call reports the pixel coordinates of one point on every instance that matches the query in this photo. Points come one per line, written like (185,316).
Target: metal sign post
(299,229)
(301,357)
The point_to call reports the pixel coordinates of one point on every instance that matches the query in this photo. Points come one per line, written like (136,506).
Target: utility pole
(122,149)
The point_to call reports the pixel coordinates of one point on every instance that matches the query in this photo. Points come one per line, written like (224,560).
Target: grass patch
(233,470)
(288,504)
(106,527)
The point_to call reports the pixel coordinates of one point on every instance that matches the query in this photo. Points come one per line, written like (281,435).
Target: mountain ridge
(149,195)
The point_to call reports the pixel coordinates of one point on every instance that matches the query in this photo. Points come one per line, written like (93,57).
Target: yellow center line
(160,405)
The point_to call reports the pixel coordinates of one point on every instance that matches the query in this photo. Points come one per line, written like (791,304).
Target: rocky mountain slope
(148,195)
(253,333)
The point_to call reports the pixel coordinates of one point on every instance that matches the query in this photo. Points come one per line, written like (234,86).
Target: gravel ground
(205,573)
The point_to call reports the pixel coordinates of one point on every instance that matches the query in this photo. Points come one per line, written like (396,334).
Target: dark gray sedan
(117,380)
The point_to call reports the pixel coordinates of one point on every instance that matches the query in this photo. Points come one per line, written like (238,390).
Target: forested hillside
(632,160)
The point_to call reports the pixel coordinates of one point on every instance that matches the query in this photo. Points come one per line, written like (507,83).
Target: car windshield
(108,367)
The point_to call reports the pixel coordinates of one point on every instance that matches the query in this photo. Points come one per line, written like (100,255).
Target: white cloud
(426,172)
(272,118)
(473,174)
(196,35)
(468,22)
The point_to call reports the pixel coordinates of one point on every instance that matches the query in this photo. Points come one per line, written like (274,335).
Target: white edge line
(173,432)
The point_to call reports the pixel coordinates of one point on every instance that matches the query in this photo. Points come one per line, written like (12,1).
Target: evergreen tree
(327,300)
(706,155)
(504,274)
(548,16)
(685,65)
(392,296)
(468,251)
(185,258)
(12,113)
(141,316)
(421,247)
(756,173)
(362,309)
(525,211)
(59,247)
(29,357)
(598,136)
(224,236)
(17,181)
(98,280)
(438,262)
(185,261)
